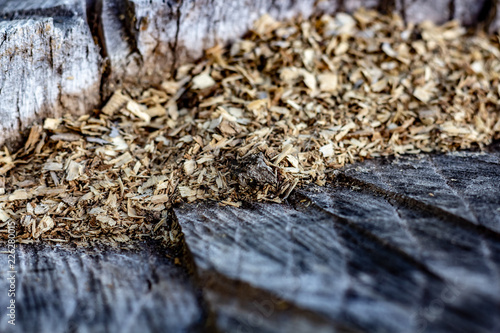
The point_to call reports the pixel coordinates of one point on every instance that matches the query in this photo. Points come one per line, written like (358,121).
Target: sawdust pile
(283,107)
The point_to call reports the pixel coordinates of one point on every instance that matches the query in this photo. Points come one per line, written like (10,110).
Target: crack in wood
(370,236)
(412,203)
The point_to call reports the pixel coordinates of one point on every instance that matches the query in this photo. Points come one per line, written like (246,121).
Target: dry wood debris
(278,109)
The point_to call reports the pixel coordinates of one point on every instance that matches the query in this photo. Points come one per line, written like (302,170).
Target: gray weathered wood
(123,62)
(49,63)
(408,245)
(60,289)
(405,245)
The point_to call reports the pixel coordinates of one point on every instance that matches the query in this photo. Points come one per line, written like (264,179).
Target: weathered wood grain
(162,34)
(123,62)
(372,252)
(12,9)
(407,245)
(50,64)
(61,289)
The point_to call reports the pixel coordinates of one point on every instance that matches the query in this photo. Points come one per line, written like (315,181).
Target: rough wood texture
(123,62)
(408,245)
(50,64)
(60,289)
(162,34)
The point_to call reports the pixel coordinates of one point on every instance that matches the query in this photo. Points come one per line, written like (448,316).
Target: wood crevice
(413,203)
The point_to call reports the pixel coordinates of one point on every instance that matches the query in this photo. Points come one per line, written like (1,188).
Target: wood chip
(45,224)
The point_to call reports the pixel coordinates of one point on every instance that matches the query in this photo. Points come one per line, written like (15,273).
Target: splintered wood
(276,110)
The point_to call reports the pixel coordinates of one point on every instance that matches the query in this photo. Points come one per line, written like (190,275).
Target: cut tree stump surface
(404,245)
(408,244)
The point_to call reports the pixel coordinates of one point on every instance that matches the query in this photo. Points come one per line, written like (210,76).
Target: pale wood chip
(65,137)
(74,170)
(139,110)
(52,166)
(45,224)
(51,123)
(115,103)
(203,81)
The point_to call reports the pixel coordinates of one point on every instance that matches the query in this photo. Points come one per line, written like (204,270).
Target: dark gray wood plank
(414,179)
(456,184)
(101,289)
(475,178)
(370,252)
